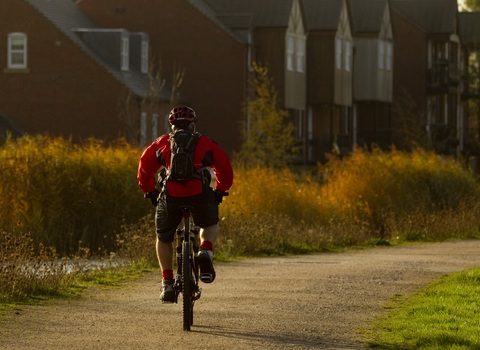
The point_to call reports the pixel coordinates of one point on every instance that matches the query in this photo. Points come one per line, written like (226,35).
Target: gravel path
(298,302)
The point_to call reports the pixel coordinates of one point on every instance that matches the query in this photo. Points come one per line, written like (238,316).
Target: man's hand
(153,196)
(219,195)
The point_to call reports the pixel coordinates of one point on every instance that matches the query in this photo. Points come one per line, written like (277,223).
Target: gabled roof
(433,16)
(469,28)
(66,15)
(323,14)
(367,15)
(210,13)
(264,13)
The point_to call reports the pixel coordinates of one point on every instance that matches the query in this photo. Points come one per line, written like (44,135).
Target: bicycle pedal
(206,278)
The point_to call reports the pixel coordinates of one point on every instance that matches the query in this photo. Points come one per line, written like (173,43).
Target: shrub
(64,193)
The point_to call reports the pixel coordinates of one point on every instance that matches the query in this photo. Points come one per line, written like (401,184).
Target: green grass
(444,316)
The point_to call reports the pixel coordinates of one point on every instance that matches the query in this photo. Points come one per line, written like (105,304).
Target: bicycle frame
(186,281)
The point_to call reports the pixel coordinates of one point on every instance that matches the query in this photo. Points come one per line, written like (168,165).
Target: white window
(124,53)
(389,58)
(17,50)
(338,53)
(348,56)
(290,52)
(144,67)
(300,55)
(381,54)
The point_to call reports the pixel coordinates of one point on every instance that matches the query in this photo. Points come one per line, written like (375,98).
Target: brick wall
(65,91)
(214,61)
(410,61)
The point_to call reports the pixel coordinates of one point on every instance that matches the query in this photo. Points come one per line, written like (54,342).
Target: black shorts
(168,216)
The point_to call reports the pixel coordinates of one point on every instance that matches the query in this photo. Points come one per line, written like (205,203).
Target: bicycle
(187,277)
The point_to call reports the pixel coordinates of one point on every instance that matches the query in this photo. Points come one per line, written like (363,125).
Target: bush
(373,196)
(64,193)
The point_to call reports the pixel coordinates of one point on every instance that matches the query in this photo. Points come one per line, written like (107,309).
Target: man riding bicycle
(177,190)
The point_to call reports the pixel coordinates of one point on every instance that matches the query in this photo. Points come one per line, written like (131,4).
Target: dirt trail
(299,302)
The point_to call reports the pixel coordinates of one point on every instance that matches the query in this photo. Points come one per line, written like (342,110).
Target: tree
(267,135)
(471,5)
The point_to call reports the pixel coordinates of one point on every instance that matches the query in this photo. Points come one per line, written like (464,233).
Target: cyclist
(195,192)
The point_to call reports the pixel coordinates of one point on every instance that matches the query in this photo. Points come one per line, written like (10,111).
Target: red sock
(206,245)
(167,275)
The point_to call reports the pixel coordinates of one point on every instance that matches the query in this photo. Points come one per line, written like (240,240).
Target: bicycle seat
(186,208)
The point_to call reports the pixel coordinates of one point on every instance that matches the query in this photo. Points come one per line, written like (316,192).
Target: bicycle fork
(194,238)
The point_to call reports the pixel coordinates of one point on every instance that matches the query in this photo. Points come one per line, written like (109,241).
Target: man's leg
(209,234)
(165,255)
(165,259)
(205,257)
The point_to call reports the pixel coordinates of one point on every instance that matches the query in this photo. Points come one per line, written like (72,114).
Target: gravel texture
(296,302)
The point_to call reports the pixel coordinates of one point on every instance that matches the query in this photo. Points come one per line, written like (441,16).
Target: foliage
(268,137)
(64,193)
(445,316)
(23,272)
(369,197)
(366,196)
(471,5)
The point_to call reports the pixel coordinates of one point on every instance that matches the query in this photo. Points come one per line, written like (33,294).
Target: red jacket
(150,163)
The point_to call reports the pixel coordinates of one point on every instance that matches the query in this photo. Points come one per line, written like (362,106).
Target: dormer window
(290,52)
(17,51)
(338,53)
(144,63)
(348,56)
(389,57)
(124,54)
(300,55)
(381,54)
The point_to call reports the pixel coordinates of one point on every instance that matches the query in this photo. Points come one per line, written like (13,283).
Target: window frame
(124,54)
(381,55)
(144,57)
(338,53)
(389,57)
(348,55)
(300,55)
(290,53)
(12,51)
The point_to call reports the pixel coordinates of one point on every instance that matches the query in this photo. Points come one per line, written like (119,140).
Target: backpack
(182,147)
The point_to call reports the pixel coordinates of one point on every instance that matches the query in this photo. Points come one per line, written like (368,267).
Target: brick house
(63,74)
(277,32)
(186,35)
(330,78)
(430,66)
(373,72)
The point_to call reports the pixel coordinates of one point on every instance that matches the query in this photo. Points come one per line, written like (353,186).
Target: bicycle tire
(187,287)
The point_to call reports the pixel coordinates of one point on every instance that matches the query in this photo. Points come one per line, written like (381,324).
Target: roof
(264,13)
(7,126)
(469,27)
(367,15)
(66,15)
(433,16)
(323,14)
(210,13)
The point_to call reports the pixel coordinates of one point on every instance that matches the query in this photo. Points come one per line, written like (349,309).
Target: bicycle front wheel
(187,287)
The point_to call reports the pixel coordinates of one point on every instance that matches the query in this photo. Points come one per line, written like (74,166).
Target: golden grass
(84,201)
(64,193)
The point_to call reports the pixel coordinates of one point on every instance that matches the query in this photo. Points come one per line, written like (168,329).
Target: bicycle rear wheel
(187,287)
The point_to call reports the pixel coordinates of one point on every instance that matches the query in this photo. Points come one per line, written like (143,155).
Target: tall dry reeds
(63,193)
(367,196)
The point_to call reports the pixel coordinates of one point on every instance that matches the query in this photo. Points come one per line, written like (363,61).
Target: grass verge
(73,286)
(444,316)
